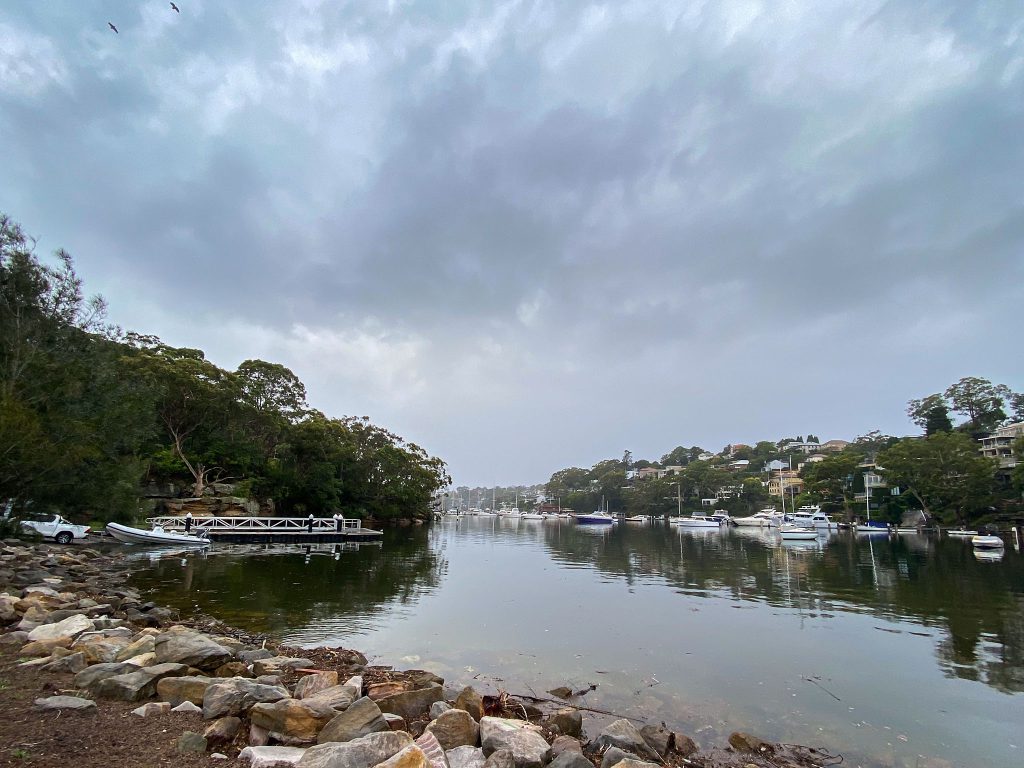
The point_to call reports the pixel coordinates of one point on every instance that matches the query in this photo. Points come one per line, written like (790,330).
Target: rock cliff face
(218,500)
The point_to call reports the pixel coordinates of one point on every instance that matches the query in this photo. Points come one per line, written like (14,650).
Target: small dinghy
(156,535)
(987,542)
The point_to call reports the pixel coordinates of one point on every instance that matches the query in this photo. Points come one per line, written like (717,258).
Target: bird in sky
(173,6)
(113,28)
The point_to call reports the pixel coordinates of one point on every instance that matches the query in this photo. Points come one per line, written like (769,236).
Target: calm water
(902,652)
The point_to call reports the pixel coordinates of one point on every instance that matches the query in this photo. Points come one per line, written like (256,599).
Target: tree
(944,472)
(829,481)
(1017,403)
(980,401)
(931,413)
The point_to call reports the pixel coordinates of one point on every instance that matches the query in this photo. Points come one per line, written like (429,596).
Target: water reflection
(730,624)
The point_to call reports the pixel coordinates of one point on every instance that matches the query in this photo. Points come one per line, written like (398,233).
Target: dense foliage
(89,413)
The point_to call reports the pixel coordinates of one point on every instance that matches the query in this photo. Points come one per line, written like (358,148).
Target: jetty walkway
(272,530)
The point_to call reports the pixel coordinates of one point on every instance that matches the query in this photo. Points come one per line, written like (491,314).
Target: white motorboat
(766,518)
(696,521)
(798,533)
(812,517)
(156,535)
(722,517)
(961,532)
(873,527)
(635,519)
(987,542)
(532,516)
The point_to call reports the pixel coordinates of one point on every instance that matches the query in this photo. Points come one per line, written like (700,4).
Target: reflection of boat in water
(155,536)
(987,542)
(988,555)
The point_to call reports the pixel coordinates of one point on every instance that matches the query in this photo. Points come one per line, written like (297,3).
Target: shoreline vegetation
(92,671)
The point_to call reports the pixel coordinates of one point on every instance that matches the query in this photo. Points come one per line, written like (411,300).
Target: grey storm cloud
(624,225)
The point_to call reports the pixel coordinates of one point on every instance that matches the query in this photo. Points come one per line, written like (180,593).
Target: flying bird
(173,6)
(113,28)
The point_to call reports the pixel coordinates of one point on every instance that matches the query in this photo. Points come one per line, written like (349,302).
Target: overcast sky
(531,235)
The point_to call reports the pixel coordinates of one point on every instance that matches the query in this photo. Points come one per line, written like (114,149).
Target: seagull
(113,28)
(175,8)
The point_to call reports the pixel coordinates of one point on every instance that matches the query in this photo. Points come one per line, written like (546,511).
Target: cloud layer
(534,234)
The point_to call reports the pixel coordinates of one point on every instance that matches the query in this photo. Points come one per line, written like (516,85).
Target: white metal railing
(260,524)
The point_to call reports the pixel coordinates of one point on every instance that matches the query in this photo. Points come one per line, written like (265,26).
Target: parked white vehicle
(56,527)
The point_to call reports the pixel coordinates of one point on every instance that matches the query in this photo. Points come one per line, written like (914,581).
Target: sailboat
(871,526)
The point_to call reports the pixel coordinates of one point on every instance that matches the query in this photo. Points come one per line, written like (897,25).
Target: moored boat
(987,542)
(532,516)
(961,532)
(156,535)
(696,521)
(598,517)
(635,519)
(873,526)
(766,518)
(797,533)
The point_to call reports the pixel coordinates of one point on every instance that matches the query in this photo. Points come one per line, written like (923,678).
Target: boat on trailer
(156,535)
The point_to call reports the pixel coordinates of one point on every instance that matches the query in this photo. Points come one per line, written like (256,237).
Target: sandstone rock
(567,720)
(254,655)
(191,648)
(73,663)
(271,757)
(438,708)
(529,749)
(222,731)
(176,690)
(500,758)
(233,669)
(571,759)
(658,738)
(136,647)
(395,722)
(613,756)
(135,686)
(152,708)
(291,721)
(278,664)
(411,704)
(258,737)
(432,750)
(472,702)
(378,691)
(565,744)
(237,694)
(363,717)
(66,703)
(364,752)
(314,683)
(745,742)
(71,627)
(632,763)
(356,681)
(683,744)
(336,697)
(187,708)
(455,728)
(44,647)
(191,742)
(466,757)
(410,757)
(142,660)
(100,650)
(624,735)
(12,639)
(88,678)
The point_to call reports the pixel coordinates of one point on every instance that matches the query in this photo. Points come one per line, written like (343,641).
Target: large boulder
(336,697)
(432,749)
(44,647)
(624,735)
(529,748)
(88,678)
(176,690)
(309,685)
(138,685)
(73,663)
(471,701)
(99,649)
(291,721)
(363,717)
(455,728)
(235,695)
(185,646)
(412,704)
(410,757)
(364,752)
(465,757)
(71,627)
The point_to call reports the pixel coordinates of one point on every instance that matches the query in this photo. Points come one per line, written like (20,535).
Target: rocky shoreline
(91,671)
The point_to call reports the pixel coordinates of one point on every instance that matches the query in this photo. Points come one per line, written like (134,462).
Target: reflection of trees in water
(278,588)
(939,583)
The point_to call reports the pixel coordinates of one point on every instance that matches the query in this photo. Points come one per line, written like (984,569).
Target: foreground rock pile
(66,611)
